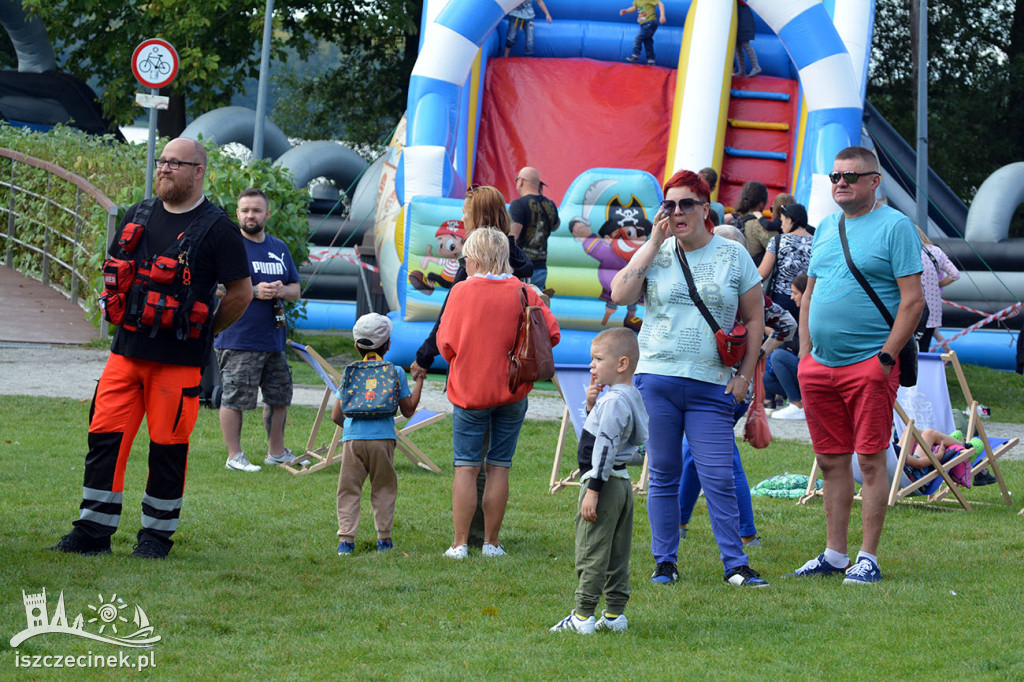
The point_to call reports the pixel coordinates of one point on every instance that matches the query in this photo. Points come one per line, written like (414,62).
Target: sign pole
(151,148)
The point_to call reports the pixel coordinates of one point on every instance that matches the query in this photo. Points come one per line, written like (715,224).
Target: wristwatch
(886,359)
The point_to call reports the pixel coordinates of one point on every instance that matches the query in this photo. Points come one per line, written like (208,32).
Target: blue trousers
(689,490)
(780,375)
(704,413)
(645,38)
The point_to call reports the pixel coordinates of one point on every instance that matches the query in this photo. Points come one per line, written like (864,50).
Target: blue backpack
(369,388)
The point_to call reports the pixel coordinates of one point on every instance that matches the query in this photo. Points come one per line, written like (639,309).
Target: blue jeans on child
(514,24)
(470,429)
(645,37)
(704,412)
(780,375)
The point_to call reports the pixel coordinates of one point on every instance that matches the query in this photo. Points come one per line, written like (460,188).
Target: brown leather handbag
(530,359)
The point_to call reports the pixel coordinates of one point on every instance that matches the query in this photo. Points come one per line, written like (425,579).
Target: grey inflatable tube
(312,160)
(994,204)
(238,124)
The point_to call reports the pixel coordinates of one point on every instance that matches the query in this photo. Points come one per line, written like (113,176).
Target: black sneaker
(75,543)
(150,547)
(666,573)
(745,576)
(984,478)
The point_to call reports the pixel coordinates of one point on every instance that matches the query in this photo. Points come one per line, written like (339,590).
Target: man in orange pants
(160,281)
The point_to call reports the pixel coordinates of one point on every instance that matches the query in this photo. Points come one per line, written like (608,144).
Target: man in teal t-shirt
(848,369)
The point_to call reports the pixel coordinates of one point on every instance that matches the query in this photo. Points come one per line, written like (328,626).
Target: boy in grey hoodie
(616,424)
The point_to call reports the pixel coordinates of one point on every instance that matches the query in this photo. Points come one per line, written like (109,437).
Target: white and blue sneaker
(745,576)
(573,623)
(817,566)
(864,572)
(616,624)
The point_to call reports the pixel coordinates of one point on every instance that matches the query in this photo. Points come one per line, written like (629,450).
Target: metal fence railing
(55,224)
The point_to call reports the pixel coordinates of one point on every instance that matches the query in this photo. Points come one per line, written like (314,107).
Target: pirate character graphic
(450,238)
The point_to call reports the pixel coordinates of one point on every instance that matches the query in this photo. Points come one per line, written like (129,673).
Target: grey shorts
(242,372)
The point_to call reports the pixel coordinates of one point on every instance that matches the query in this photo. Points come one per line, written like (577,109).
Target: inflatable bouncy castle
(605,134)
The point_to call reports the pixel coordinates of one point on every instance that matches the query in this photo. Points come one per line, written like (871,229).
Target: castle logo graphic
(110,618)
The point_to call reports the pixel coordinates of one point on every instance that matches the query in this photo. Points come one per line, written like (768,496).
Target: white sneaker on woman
(790,411)
(493,550)
(460,552)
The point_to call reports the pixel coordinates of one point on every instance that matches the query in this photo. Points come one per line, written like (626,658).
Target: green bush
(118,170)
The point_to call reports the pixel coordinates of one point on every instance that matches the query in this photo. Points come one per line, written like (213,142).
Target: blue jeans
(514,24)
(540,276)
(689,490)
(704,413)
(470,429)
(780,375)
(645,37)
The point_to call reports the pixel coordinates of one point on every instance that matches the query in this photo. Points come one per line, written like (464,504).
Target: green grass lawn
(254,588)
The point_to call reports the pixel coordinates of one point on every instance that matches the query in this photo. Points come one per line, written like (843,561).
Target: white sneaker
(616,624)
(573,623)
(286,457)
(239,462)
(790,411)
(460,552)
(493,550)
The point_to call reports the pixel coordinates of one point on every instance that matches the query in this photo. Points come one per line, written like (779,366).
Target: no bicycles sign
(155,63)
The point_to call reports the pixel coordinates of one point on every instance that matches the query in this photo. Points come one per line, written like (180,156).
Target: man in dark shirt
(154,367)
(534,218)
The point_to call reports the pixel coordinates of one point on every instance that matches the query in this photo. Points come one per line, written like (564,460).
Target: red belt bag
(732,346)
(159,310)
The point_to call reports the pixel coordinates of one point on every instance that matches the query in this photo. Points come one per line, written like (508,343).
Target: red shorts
(848,409)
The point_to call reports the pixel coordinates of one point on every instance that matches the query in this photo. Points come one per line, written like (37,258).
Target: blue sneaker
(385,545)
(864,572)
(665,573)
(817,566)
(346,548)
(745,576)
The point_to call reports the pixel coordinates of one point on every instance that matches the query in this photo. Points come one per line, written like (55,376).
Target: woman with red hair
(684,383)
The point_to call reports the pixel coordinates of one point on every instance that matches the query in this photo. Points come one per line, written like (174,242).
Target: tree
(975,84)
(218,43)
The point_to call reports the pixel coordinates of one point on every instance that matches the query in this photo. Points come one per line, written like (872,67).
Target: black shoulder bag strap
(859,277)
(697,300)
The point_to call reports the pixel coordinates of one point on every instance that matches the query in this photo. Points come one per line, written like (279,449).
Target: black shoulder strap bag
(769,281)
(908,354)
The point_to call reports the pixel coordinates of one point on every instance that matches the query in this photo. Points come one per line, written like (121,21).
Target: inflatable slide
(605,134)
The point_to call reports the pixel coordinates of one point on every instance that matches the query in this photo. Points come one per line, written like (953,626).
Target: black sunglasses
(669,205)
(850,177)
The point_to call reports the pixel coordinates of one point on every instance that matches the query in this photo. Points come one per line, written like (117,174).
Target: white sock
(836,559)
(864,555)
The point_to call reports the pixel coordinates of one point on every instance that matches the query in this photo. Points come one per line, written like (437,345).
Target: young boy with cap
(368,443)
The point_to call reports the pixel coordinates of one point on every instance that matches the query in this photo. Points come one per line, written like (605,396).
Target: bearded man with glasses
(160,283)
(849,370)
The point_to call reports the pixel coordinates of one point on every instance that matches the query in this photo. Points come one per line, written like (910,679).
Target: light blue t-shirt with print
(376,428)
(846,327)
(676,339)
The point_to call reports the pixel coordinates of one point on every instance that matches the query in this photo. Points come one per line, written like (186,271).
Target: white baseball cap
(371,330)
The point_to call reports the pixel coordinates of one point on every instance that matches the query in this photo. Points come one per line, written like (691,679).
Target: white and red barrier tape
(316,258)
(1000,315)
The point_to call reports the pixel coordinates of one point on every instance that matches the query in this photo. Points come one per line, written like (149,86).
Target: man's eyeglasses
(669,205)
(851,177)
(174,164)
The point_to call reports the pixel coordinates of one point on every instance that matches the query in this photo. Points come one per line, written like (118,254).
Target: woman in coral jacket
(476,334)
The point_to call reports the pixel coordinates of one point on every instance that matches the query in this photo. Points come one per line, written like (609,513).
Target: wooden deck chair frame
(573,479)
(327,452)
(976,427)
(910,438)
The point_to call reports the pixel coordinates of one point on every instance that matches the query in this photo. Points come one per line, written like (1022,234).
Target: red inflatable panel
(563,116)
